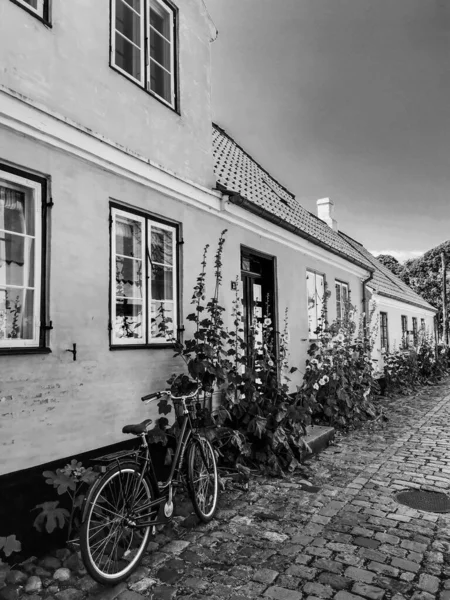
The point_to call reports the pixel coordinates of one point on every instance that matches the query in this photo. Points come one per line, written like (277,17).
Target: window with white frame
(144,277)
(143,45)
(21,270)
(37,7)
(341,299)
(384,332)
(404,331)
(315,285)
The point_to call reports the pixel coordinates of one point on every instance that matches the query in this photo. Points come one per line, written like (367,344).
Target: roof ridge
(222,130)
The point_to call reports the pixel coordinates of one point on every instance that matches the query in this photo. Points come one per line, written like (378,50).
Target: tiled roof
(385,282)
(239,174)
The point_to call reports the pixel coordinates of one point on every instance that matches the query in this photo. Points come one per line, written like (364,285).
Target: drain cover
(430,501)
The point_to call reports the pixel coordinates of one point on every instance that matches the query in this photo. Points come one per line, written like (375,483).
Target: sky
(346,99)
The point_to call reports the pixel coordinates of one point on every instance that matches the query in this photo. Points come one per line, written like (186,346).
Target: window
(143,45)
(415,332)
(341,299)
(39,8)
(384,332)
(144,292)
(315,285)
(404,331)
(21,260)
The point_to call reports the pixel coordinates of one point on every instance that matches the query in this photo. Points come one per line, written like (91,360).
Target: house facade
(112,181)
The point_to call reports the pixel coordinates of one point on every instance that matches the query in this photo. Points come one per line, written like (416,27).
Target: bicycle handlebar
(157,395)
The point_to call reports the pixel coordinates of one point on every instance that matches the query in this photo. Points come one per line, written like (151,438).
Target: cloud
(400,255)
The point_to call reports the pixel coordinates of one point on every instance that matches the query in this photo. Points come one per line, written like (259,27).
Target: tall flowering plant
(339,377)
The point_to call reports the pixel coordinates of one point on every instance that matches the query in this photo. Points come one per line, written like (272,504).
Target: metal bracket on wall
(73,350)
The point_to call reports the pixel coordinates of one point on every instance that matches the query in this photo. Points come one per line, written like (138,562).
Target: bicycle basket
(199,409)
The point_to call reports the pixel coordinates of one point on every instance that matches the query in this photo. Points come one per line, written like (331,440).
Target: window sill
(142,347)
(10,351)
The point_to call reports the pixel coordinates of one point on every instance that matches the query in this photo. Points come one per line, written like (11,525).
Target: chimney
(325,212)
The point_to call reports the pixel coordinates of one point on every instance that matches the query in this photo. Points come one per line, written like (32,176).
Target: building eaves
(386,283)
(250,185)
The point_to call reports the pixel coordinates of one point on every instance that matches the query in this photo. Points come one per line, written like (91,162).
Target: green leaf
(157,436)
(9,545)
(60,481)
(51,516)
(164,407)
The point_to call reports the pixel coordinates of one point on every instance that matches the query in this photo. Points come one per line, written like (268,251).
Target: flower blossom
(315,386)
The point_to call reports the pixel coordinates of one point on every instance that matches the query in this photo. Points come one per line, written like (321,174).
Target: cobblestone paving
(349,540)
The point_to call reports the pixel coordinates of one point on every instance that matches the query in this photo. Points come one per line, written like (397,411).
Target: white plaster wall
(66,68)
(51,406)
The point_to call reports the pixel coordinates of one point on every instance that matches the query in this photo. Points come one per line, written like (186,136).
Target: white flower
(321,381)
(315,386)
(325,379)
(267,321)
(314,361)
(270,362)
(340,337)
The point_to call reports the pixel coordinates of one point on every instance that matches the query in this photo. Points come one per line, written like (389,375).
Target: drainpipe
(364,283)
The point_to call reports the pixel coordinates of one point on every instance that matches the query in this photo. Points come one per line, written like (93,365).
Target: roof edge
(429,307)
(238,200)
(222,130)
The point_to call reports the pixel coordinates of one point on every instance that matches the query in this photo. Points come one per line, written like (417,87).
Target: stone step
(318,437)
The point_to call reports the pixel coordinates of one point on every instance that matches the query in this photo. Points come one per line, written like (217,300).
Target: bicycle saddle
(137,429)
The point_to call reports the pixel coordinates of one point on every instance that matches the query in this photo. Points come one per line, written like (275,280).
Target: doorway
(259,295)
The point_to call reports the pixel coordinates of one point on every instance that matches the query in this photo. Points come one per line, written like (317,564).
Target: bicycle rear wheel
(202,477)
(112,544)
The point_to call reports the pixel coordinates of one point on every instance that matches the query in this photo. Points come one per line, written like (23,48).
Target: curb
(318,437)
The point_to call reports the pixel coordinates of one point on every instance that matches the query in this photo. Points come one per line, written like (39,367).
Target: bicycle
(126,502)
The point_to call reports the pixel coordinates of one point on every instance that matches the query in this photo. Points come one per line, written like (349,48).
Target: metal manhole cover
(435,502)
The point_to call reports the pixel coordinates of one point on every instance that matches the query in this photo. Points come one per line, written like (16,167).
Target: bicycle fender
(88,498)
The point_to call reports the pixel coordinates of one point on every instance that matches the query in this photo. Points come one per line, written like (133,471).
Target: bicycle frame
(163,492)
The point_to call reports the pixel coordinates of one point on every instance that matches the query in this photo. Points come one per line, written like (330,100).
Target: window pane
(16,260)
(162,320)
(160,82)
(128,277)
(136,4)
(128,322)
(16,314)
(338,300)
(16,211)
(128,57)
(160,19)
(32,3)
(160,49)
(162,246)
(162,283)
(128,22)
(128,237)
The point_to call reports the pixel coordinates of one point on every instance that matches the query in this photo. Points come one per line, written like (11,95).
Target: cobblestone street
(347,538)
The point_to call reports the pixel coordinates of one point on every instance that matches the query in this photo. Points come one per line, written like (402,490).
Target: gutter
(238,200)
(364,284)
(410,302)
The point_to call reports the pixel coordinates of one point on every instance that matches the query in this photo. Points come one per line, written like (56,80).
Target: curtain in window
(129,278)
(315,288)
(162,281)
(17,247)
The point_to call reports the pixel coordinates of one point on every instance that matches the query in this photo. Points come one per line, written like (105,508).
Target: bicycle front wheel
(203,481)
(112,543)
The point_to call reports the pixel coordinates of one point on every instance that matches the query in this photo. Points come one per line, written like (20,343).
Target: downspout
(364,283)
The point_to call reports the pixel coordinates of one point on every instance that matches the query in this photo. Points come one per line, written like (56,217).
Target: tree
(390,262)
(424,276)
